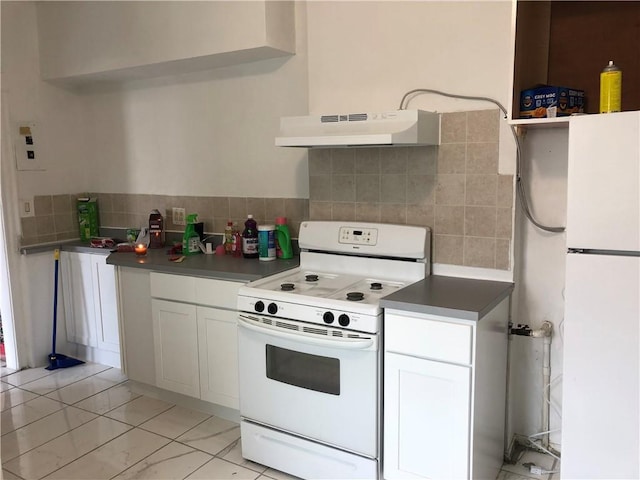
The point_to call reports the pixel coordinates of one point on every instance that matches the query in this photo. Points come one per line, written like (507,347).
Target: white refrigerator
(601,370)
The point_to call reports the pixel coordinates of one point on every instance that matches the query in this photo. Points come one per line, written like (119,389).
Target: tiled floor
(85,422)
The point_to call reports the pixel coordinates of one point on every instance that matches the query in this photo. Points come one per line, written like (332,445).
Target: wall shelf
(558,122)
(568,43)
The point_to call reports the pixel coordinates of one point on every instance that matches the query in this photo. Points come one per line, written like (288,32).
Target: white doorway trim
(11,301)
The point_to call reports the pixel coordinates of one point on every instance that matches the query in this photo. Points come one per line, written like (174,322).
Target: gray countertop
(67,245)
(463,298)
(222,267)
(454,297)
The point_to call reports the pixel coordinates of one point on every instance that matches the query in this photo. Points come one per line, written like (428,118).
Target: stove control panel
(322,315)
(358,236)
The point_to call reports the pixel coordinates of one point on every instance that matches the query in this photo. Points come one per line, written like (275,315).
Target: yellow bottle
(610,89)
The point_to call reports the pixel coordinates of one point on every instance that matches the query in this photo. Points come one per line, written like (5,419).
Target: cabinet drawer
(428,338)
(173,287)
(202,291)
(217,293)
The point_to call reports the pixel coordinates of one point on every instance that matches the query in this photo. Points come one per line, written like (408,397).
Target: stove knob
(259,306)
(343,320)
(272,308)
(327,317)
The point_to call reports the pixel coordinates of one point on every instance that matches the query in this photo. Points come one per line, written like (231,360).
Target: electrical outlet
(178,216)
(26,207)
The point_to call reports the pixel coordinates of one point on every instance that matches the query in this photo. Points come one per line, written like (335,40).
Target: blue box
(547,101)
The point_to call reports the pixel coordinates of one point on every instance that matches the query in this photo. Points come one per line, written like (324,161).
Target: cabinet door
(426,418)
(175,341)
(106,305)
(136,324)
(78,293)
(218,349)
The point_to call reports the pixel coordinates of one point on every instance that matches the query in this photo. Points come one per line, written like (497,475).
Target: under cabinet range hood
(395,128)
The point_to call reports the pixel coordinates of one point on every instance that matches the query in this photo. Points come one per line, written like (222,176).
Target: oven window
(312,372)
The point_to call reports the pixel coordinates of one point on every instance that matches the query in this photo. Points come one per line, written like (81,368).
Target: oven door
(305,379)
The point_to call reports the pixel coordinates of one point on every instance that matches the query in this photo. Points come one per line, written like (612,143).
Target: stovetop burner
(376,286)
(312,277)
(355,296)
(287,287)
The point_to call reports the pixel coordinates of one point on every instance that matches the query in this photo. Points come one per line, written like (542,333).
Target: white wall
(204,133)
(539,280)
(367,55)
(59,114)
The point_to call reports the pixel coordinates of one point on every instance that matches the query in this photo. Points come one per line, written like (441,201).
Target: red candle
(140,249)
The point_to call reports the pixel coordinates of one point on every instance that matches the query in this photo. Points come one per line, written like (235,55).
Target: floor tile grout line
(219,454)
(138,395)
(183,433)
(54,372)
(65,405)
(150,454)
(214,455)
(85,398)
(37,419)
(92,450)
(21,403)
(54,400)
(224,460)
(70,384)
(54,438)
(7,470)
(219,433)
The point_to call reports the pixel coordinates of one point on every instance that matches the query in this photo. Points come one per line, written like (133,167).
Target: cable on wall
(520,188)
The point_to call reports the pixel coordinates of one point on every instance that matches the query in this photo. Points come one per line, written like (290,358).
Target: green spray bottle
(191,239)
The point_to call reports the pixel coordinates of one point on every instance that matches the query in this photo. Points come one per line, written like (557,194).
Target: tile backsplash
(454,188)
(55,216)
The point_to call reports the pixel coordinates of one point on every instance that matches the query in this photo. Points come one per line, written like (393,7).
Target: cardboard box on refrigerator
(88,218)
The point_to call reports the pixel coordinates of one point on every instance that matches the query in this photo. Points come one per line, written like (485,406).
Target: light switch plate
(28,148)
(26,207)
(178,216)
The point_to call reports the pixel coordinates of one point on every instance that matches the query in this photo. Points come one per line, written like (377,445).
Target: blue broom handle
(56,256)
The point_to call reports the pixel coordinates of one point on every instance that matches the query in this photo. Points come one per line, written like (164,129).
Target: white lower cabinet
(426,418)
(136,324)
(175,341)
(195,337)
(218,351)
(91,305)
(444,395)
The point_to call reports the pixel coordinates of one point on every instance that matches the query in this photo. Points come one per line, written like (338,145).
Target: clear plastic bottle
(228,237)
(250,238)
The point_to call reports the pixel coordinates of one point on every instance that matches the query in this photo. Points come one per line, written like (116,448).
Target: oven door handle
(309,339)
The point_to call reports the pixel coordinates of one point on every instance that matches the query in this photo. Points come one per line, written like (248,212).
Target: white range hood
(395,128)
